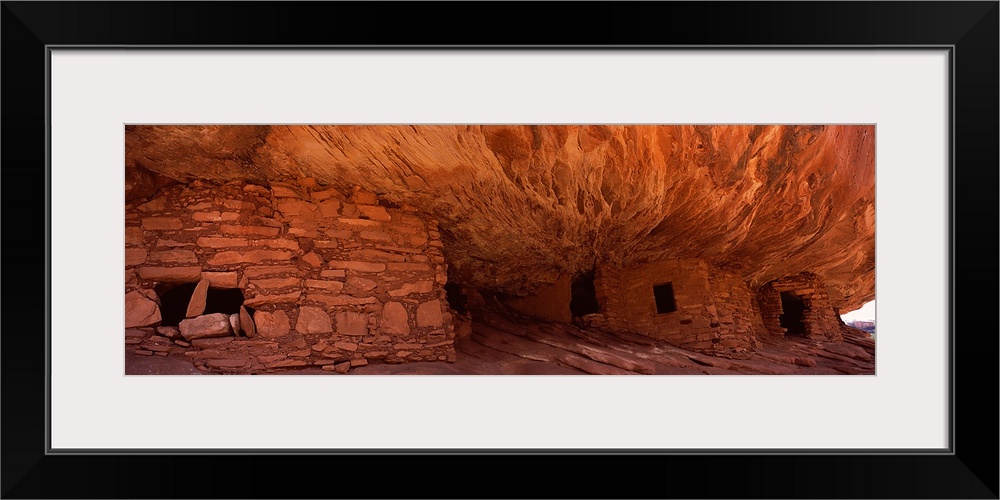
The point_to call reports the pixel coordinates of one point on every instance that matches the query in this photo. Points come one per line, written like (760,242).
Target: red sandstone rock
(209,325)
(366,267)
(232,257)
(363,196)
(184,274)
(376,256)
(346,346)
(329,208)
(154,205)
(802,361)
(359,222)
(162,223)
(133,235)
(215,216)
(330,286)
(170,332)
(298,343)
(313,320)
(394,319)
(165,243)
(279,298)
(281,190)
(220,279)
(297,208)
(329,301)
(134,256)
(429,314)
(374,212)
(407,266)
(234,323)
(352,323)
(363,284)
(849,350)
(141,309)
(203,343)
(323,194)
(277,283)
(217,242)
(249,230)
(246,323)
(226,363)
(278,243)
(260,271)
(411,288)
(136,332)
(271,325)
(287,363)
(312,259)
(196,306)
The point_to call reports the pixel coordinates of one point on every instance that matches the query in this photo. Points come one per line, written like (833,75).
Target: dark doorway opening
(456,297)
(793,313)
(583,295)
(174,301)
(664,295)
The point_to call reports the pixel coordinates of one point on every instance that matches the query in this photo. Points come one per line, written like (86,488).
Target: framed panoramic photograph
(269,251)
(499,249)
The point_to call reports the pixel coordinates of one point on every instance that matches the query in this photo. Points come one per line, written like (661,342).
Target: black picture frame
(968,470)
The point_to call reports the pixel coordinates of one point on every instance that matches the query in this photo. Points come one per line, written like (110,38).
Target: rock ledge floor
(510,345)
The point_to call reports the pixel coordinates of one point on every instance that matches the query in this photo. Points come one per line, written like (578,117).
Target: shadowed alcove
(174,301)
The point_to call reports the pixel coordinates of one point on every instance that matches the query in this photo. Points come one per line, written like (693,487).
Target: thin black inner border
(949,450)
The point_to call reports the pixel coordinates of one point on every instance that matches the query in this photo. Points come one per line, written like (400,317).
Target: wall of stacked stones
(715,312)
(330,280)
(736,306)
(819,319)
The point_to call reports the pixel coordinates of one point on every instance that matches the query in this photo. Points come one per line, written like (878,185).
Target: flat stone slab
(209,325)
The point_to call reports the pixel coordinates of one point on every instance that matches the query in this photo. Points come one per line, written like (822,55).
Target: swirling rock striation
(522,206)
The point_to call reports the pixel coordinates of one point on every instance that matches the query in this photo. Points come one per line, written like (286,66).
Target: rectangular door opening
(793,314)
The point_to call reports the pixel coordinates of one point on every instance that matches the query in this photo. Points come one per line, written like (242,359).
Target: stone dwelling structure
(248,278)
(685,302)
(799,305)
(695,306)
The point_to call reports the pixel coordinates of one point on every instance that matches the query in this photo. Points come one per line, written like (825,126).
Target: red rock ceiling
(520,205)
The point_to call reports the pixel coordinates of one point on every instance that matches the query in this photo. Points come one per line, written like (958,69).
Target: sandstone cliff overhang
(522,206)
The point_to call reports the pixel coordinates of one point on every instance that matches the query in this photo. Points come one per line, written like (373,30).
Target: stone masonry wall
(736,306)
(715,311)
(329,281)
(820,319)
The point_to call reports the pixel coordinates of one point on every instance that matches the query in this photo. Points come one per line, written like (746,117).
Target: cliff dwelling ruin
(498,249)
